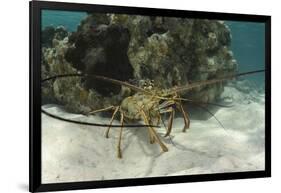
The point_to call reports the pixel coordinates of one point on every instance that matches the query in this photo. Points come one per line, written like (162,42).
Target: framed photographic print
(126,96)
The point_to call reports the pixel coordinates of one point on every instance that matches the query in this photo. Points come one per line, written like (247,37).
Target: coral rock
(171,51)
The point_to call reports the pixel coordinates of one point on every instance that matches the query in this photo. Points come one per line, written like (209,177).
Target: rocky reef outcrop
(171,51)
(70,92)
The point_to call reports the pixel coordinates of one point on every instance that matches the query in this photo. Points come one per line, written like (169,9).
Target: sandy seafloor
(72,152)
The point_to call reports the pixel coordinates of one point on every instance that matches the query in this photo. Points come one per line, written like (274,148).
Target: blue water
(69,19)
(248,46)
(248,42)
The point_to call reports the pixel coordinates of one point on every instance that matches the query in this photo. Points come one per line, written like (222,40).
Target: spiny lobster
(147,104)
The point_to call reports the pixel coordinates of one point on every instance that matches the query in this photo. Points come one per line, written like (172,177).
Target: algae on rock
(171,51)
(174,51)
(70,91)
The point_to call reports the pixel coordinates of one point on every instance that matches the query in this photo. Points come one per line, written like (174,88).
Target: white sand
(72,152)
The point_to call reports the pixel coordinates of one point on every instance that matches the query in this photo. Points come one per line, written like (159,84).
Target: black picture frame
(35,184)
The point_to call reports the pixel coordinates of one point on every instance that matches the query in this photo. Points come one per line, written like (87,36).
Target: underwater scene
(131,96)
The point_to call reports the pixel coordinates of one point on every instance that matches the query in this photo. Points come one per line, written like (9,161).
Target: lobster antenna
(208,82)
(97,77)
(207,110)
(118,82)
(201,102)
(88,123)
(111,80)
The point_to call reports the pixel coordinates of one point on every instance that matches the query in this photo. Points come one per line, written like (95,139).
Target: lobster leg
(185,118)
(170,123)
(151,138)
(119,152)
(166,107)
(111,120)
(153,133)
(101,110)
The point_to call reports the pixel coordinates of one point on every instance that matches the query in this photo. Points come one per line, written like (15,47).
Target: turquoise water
(68,19)
(248,42)
(248,46)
